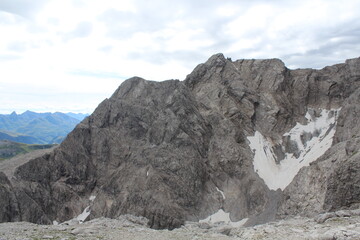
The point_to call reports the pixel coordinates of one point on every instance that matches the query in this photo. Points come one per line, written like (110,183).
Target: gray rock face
(177,151)
(8,207)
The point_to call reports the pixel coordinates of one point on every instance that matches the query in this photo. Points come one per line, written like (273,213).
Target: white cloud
(86,48)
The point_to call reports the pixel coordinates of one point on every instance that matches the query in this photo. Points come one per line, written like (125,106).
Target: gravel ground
(339,225)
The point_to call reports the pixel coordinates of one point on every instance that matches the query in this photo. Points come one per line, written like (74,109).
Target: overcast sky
(69,55)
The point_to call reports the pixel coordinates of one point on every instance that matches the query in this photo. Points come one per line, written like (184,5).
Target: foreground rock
(336,226)
(224,141)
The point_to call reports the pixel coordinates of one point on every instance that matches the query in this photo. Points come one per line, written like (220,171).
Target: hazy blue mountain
(79,116)
(16,137)
(40,128)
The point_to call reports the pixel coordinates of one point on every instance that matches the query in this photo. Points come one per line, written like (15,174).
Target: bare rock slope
(230,138)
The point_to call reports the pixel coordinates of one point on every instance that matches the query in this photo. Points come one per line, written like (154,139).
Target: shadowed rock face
(176,151)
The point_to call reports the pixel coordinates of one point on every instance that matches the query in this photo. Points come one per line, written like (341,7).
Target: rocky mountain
(243,142)
(37,128)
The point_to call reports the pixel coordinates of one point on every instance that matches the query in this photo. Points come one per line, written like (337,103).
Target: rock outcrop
(177,151)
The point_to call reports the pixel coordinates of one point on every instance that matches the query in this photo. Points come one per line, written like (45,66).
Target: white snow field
(82,216)
(280,175)
(223,217)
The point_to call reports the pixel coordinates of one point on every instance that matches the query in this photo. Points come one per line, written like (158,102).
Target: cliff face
(234,136)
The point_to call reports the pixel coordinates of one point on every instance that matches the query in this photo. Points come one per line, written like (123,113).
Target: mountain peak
(216,59)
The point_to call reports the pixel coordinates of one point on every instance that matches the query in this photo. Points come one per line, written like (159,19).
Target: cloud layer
(84,48)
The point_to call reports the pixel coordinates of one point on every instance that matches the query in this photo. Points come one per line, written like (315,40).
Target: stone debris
(344,225)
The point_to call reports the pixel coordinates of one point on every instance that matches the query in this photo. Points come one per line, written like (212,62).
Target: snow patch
(92,198)
(82,217)
(221,216)
(322,130)
(221,192)
(55,222)
(239,223)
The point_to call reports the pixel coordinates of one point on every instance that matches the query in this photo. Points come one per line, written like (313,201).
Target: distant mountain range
(79,116)
(38,128)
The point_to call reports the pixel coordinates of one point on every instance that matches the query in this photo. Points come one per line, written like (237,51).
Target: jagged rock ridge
(178,151)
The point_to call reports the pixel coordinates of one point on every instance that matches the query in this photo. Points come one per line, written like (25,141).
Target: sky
(69,55)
